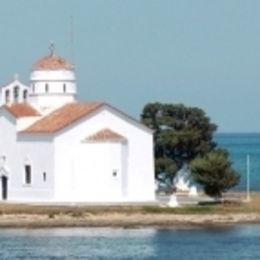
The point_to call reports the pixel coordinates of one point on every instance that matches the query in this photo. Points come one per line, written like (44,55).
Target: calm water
(237,242)
(239,145)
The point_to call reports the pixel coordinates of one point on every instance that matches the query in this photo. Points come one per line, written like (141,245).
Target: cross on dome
(52,48)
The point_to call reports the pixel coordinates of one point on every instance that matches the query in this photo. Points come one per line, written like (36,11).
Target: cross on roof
(52,48)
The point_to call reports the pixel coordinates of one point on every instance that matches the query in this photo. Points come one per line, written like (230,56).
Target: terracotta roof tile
(52,62)
(21,110)
(62,117)
(105,135)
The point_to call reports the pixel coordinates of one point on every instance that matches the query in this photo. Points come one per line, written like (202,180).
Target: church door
(4,187)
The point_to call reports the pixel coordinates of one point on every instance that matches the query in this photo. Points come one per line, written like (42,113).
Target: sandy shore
(133,220)
(14,215)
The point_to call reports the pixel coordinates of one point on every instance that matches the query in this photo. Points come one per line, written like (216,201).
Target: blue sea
(239,146)
(225,243)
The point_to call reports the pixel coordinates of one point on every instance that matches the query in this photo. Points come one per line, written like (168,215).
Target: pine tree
(214,172)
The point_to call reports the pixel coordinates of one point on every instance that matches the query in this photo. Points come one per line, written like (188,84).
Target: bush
(214,173)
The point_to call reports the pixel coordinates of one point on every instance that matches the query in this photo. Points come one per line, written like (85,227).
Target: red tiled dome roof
(52,62)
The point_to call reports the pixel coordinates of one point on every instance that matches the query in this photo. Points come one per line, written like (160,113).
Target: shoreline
(233,212)
(133,220)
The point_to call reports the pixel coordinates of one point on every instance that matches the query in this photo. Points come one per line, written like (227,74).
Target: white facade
(131,159)
(59,150)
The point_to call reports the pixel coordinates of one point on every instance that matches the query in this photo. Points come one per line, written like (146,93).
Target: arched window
(64,88)
(16,94)
(27,171)
(7,96)
(44,176)
(46,87)
(28,174)
(25,94)
(114,173)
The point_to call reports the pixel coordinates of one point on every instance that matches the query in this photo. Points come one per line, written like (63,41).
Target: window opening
(28,174)
(16,94)
(44,176)
(25,94)
(7,96)
(46,88)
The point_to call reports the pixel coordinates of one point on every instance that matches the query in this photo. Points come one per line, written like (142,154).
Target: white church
(54,148)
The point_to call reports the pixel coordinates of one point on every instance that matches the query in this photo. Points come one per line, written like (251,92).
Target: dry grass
(233,210)
(65,210)
(234,203)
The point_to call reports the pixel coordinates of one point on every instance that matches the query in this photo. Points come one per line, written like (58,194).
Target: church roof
(105,135)
(63,117)
(52,62)
(21,110)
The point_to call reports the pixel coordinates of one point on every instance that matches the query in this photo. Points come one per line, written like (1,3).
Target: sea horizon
(236,133)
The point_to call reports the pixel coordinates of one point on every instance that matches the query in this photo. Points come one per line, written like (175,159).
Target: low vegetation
(234,205)
(214,173)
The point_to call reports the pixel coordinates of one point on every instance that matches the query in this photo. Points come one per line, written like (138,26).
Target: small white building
(56,149)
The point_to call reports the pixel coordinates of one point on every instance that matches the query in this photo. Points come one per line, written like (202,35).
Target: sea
(242,146)
(225,243)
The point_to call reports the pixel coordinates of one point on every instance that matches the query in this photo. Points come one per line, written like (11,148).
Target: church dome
(52,62)
(52,81)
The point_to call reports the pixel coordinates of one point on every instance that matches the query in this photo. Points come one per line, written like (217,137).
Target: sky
(202,53)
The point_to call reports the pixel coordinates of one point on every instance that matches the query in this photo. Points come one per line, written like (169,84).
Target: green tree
(180,134)
(214,172)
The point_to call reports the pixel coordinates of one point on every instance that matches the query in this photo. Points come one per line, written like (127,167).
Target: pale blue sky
(202,53)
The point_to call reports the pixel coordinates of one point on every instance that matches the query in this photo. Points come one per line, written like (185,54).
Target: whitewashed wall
(18,151)
(136,161)
(86,174)
(38,151)
(52,75)
(24,122)
(8,148)
(50,101)
(56,80)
